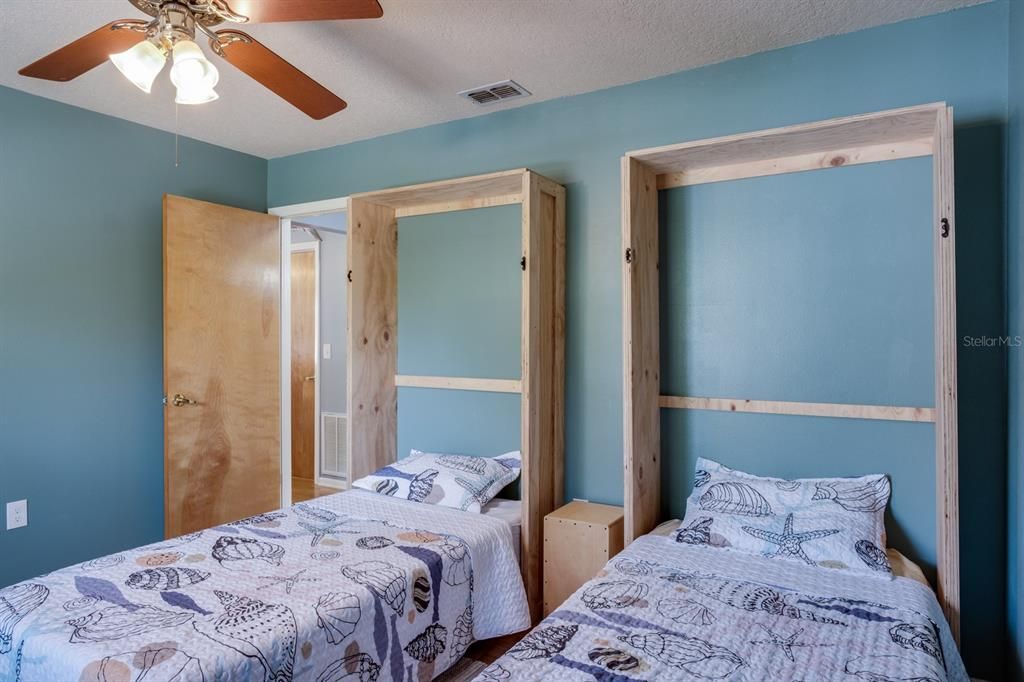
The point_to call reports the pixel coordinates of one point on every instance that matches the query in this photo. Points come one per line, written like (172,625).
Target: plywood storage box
(579,539)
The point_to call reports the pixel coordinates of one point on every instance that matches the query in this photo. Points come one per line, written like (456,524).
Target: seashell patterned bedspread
(350,587)
(661,610)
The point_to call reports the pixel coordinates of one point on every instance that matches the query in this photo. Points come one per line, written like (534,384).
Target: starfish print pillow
(834,523)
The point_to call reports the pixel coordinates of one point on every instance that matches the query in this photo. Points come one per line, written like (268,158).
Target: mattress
(511,512)
(349,586)
(663,610)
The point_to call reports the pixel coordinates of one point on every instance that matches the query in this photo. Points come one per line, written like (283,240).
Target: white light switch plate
(327,351)
(17,514)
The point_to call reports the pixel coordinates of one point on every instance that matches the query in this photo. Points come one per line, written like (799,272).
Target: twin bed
(663,610)
(680,603)
(353,586)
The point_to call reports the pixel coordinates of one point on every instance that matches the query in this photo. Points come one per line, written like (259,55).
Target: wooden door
(303,364)
(222,360)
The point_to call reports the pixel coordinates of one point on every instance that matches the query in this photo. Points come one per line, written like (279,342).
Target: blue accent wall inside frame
(959,57)
(81,424)
(460,314)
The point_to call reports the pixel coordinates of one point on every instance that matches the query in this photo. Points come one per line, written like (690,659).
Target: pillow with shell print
(462,482)
(829,522)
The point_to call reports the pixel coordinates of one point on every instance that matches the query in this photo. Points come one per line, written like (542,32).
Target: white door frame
(287,213)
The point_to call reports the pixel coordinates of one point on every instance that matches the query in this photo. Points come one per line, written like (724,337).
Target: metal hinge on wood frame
(522,263)
(629,255)
(944,223)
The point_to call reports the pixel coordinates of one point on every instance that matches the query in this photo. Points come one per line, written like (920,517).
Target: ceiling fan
(139,49)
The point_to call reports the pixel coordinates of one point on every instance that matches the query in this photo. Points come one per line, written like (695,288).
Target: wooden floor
(304,489)
(489,650)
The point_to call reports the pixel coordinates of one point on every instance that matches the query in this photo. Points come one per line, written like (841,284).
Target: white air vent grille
(495,92)
(334,461)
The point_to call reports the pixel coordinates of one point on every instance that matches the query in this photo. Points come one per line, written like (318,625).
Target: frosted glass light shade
(199,95)
(192,71)
(140,64)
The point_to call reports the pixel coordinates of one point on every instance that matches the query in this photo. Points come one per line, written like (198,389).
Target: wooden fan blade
(265,11)
(86,53)
(258,62)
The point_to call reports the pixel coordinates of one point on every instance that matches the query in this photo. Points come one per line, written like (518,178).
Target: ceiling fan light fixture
(192,72)
(140,64)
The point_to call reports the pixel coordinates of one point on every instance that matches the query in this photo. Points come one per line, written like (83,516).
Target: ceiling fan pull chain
(177,157)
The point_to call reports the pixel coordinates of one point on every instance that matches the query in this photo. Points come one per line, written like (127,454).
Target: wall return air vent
(495,92)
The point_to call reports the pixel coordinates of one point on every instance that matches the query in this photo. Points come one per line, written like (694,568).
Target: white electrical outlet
(327,351)
(17,514)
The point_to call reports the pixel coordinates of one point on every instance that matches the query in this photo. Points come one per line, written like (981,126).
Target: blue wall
(959,57)
(1015,310)
(81,425)
(459,314)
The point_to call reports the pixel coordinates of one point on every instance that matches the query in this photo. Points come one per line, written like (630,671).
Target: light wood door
(303,364)
(222,351)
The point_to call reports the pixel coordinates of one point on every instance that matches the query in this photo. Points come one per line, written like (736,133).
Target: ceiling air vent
(495,92)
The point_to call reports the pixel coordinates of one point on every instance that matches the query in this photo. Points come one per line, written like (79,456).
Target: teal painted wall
(1015,314)
(959,57)
(459,314)
(81,425)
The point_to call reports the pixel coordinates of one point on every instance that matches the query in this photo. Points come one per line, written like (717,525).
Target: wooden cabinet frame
(897,134)
(372,343)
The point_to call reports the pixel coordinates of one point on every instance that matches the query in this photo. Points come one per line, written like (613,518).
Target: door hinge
(349,275)
(522,263)
(164,401)
(629,255)
(945,228)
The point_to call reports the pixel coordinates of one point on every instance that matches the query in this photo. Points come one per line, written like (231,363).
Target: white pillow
(460,481)
(829,522)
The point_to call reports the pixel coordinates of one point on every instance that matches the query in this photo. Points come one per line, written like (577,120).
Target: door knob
(180,401)
(312,378)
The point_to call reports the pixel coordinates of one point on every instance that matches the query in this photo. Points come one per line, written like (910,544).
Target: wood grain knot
(837,161)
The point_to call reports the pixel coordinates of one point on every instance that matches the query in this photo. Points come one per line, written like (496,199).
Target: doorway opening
(317,355)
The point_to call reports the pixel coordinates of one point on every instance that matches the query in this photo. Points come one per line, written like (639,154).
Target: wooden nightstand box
(579,539)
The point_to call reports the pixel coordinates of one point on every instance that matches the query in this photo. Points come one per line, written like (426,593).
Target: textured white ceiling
(402,71)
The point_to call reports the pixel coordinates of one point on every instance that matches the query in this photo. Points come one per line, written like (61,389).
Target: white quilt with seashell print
(344,587)
(662,610)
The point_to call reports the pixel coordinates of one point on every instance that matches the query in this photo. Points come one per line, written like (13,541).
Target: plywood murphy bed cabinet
(919,131)
(372,343)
